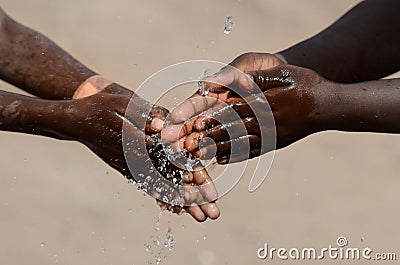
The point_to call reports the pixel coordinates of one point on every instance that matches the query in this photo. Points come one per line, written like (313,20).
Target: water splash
(202,89)
(159,244)
(169,242)
(229,24)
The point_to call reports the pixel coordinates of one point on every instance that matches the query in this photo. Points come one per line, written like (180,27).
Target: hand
(292,98)
(247,62)
(98,121)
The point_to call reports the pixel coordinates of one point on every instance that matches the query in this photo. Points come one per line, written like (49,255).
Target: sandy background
(59,204)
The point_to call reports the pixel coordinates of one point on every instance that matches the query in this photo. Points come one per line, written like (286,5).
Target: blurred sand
(55,209)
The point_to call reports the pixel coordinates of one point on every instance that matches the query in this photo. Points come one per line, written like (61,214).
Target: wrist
(281,58)
(330,110)
(91,86)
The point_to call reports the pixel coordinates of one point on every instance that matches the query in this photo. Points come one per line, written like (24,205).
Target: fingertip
(200,124)
(195,211)
(157,124)
(182,112)
(220,80)
(192,142)
(211,210)
(172,133)
(206,186)
(188,178)
(246,82)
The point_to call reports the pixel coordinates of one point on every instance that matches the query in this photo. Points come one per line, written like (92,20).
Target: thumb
(270,78)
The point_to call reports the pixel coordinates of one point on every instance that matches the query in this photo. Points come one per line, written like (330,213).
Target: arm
(98,122)
(361,45)
(299,102)
(30,115)
(96,117)
(360,107)
(37,65)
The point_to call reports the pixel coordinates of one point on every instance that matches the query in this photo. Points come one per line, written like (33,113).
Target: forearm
(37,65)
(362,107)
(362,45)
(30,115)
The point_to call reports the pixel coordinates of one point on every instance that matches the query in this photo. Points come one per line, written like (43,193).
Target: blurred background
(60,204)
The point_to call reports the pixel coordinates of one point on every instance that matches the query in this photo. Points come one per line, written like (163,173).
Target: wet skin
(301,103)
(35,64)
(360,46)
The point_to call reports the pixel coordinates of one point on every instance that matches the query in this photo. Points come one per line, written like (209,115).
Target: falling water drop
(169,242)
(229,24)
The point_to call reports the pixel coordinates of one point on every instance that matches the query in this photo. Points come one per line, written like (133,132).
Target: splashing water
(159,244)
(202,90)
(229,24)
(169,242)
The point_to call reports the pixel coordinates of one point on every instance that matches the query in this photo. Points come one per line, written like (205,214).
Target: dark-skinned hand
(98,121)
(291,95)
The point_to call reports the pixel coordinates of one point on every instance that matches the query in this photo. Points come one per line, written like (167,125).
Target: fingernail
(157,124)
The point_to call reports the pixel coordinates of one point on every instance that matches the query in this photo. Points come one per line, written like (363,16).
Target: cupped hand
(99,121)
(287,108)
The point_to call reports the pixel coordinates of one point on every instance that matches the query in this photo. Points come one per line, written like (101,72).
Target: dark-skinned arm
(298,102)
(32,62)
(95,116)
(362,45)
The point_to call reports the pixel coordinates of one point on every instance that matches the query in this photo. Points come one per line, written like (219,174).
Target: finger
(222,132)
(175,132)
(179,145)
(211,210)
(192,141)
(257,148)
(227,77)
(235,108)
(239,146)
(195,211)
(191,107)
(190,193)
(212,117)
(219,81)
(231,130)
(270,78)
(205,185)
(156,119)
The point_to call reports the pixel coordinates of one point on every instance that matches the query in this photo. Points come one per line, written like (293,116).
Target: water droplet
(202,90)
(169,242)
(158,261)
(204,237)
(42,244)
(147,247)
(229,24)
